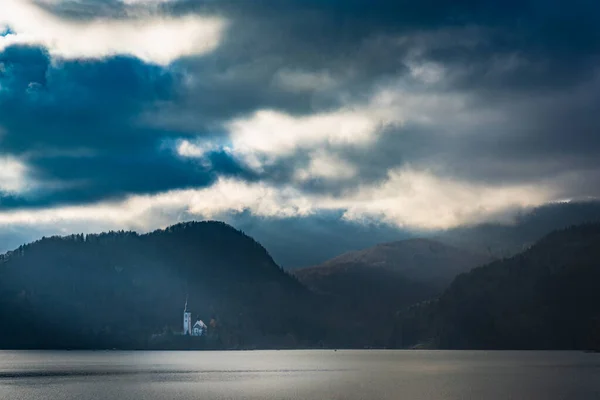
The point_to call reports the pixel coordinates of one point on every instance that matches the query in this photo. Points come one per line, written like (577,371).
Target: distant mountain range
(547,297)
(307,241)
(390,275)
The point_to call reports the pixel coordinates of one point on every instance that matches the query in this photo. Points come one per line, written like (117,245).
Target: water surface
(41,375)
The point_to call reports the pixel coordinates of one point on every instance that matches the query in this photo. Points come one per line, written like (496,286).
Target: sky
(303,122)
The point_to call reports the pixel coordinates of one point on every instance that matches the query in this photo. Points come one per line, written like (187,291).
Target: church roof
(200,323)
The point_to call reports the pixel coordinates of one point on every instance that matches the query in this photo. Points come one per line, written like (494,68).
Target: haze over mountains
(314,239)
(302,242)
(503,240)
(390,275)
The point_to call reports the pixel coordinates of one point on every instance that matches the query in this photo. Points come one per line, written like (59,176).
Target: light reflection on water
(34,375)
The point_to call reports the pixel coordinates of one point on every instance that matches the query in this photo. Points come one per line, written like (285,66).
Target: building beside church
(199,328)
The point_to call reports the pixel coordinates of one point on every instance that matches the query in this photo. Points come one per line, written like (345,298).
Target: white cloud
(153,38)
(419,199)
(267,135)
(408,198)
(13,176)
(426,72)
(276,133)
(327,166)
(271,134)
(260,198)
(152,211)
(185,148)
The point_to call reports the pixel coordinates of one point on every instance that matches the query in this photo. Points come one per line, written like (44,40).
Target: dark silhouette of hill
(390,275)
(118,289)
(544,298)
(504,240)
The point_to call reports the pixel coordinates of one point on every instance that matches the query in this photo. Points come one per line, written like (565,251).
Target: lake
(377,374)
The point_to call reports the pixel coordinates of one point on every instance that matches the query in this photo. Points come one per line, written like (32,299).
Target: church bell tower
(187,320)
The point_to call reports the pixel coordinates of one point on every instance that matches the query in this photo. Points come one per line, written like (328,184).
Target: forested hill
(547,297)
(118,289)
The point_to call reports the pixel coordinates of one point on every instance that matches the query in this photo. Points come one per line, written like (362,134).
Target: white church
(198,329)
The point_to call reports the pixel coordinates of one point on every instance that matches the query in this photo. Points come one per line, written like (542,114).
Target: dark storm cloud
(498,52)
(558,44)
(313,34)
(534,63)
(76,104)
(73,122)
